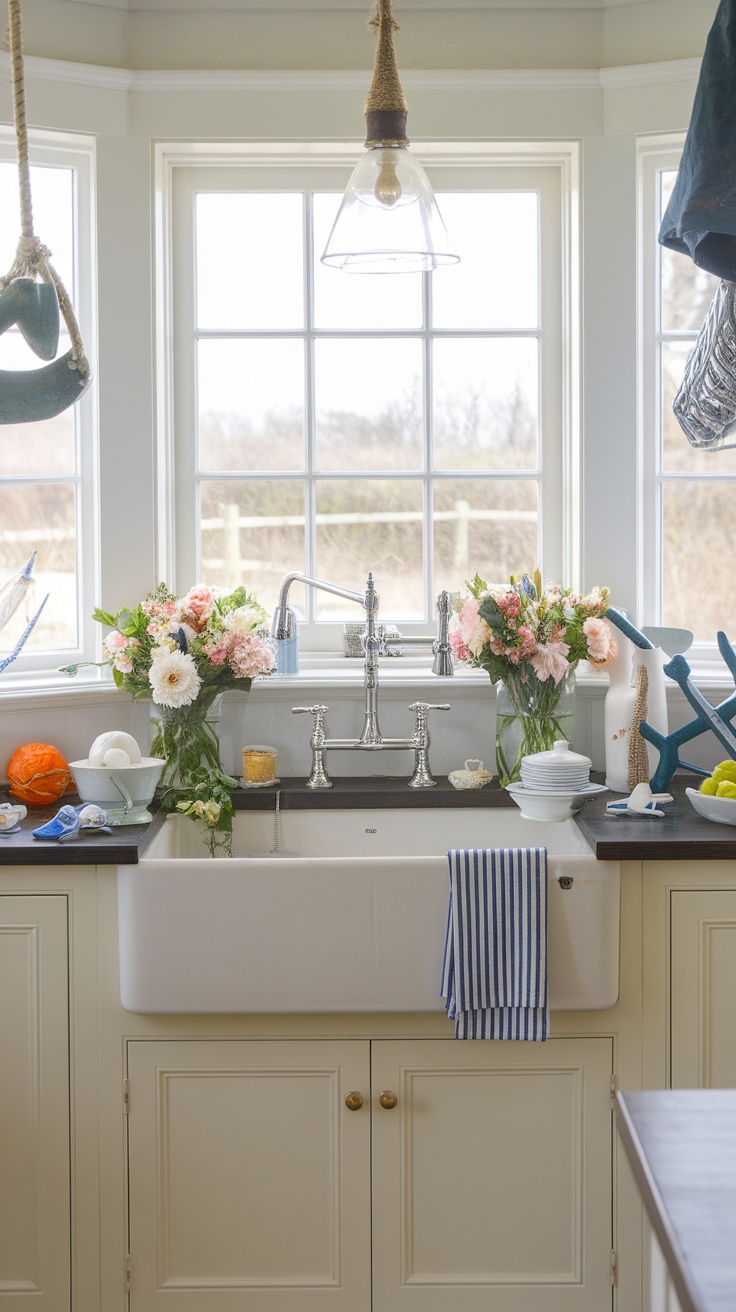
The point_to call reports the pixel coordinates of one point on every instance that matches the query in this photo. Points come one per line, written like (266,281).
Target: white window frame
(561,516)
(75,152)
(656,153)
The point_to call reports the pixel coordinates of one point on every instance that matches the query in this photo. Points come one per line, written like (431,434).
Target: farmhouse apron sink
(353,919)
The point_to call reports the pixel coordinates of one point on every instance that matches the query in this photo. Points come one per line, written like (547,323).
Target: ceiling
(362,5)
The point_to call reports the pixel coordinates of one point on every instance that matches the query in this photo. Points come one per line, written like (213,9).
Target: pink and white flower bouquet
(531,640)
(182,652)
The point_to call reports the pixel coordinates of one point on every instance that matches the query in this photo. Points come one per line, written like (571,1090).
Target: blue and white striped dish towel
(494,974)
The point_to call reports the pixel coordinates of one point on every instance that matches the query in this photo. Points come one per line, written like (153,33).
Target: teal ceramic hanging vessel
(32,295)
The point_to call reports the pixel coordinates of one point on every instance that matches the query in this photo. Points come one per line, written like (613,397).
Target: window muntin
(47,477)
(690,495)
(365,428)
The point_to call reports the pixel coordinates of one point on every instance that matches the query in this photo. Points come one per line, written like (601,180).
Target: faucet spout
(283,623)
(283,630)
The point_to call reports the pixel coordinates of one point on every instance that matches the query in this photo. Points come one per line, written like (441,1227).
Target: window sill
(326,673)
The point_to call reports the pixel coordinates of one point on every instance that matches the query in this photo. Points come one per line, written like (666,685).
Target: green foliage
(205,795)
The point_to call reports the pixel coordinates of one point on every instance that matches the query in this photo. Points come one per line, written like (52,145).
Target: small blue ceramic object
(65,824)
(71,819)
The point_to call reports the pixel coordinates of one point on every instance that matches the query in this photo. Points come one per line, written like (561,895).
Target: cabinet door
(703,974)
(34,1104)
(249,1176)
(492,1176)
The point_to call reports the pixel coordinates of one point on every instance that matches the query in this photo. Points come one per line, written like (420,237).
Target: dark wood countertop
(681,835)
(681,1145)
(127,843)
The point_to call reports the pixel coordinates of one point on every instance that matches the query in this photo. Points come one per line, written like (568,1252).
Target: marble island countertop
(680,835)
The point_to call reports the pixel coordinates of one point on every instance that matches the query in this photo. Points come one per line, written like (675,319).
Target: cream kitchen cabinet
(689,974)
(35,1221)
(703,957)
(482,1171)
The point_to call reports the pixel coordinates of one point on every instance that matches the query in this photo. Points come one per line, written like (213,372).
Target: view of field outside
(351,423)
(38,485)
(348,423)
(698,489)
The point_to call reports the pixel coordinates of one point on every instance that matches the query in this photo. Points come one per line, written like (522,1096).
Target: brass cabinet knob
(388,1099)
(353,1101)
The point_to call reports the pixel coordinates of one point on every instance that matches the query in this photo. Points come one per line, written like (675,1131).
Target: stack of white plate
(554,784)
(556,771)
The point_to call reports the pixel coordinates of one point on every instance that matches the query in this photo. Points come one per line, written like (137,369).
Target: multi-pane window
(43,505)
(691,494)
(336,424)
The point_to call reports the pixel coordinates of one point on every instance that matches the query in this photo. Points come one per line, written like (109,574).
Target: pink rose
(473,631)
(602,646)
(468,619)
(528,641)
(458,646)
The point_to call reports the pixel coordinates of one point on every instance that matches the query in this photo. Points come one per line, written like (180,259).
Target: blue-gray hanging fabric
(700,221)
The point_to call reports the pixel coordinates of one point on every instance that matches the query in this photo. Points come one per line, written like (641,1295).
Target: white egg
(114,738)
(115,757)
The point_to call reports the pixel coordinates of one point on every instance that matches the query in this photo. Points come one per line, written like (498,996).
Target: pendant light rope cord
(385,106)
(31,256)
(385,90)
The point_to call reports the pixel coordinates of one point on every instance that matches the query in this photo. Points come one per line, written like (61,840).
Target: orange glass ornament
(38,774)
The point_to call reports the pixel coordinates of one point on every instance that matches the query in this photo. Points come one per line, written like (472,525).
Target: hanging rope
(385,107)
(32,257)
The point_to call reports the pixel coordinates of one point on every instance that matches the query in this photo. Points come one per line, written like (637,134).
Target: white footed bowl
(124,791)
(720,809)
(551,806)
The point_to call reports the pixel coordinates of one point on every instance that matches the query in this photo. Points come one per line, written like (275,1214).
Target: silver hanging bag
(705,403)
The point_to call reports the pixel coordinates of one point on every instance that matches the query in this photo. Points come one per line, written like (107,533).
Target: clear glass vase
(530,716)
(186,738)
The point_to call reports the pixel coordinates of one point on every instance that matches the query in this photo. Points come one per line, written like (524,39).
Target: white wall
(331,34)
(127,111)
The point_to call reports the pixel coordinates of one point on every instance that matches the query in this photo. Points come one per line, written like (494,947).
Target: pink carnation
(458,646)
(120,649)
(217,652)
(197,606)
(550,661)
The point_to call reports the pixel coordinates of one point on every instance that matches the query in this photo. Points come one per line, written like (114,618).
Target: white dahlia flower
(173,678)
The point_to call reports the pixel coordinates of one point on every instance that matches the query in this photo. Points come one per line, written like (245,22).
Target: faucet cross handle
(422,777)
(319,777)
(423,708)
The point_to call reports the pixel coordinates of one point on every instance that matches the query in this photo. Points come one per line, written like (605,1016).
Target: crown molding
(321,80)
(82,75)
(642,75)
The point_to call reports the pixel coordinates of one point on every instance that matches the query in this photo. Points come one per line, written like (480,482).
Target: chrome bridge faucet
(284,631)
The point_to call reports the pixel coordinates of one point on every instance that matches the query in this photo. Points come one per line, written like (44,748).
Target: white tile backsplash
(467,730)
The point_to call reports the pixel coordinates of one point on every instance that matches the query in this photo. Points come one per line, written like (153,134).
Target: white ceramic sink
(355,922)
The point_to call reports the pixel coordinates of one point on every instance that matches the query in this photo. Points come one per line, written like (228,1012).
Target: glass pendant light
(388,221)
